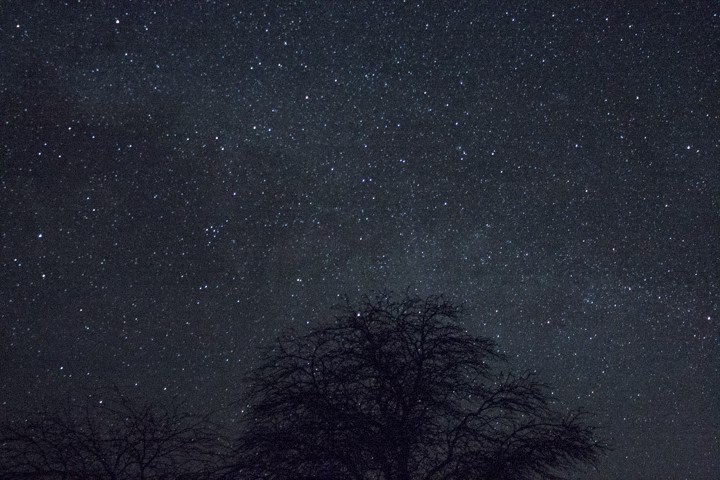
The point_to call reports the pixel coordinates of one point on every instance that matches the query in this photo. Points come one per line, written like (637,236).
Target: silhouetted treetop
(395,388)
(112,437)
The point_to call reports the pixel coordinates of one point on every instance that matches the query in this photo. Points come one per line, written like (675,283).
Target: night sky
(181,181)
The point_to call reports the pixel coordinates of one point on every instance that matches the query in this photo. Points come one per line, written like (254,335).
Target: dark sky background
(180,181)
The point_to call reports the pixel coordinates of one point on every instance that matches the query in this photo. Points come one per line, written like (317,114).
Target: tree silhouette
(110,437)
(397,389)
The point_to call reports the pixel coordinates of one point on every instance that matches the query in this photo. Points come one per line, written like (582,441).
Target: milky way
(180,182)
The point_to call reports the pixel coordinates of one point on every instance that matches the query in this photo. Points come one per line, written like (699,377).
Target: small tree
(111,437)
(397,389)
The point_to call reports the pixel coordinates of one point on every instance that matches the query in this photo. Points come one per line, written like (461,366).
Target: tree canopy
(110,436)
(395,388)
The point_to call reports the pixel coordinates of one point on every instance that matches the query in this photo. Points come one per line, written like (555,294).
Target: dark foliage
(397,389)
(116,438)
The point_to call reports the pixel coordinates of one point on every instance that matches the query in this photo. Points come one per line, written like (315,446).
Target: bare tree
(110,437)
(397,389)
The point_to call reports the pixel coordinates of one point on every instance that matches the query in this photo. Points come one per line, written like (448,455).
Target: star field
(179,182)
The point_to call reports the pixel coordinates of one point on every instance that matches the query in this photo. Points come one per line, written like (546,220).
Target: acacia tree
(397,389)
(110,437)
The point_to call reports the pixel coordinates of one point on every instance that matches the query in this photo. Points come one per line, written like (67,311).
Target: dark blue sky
(180,181)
